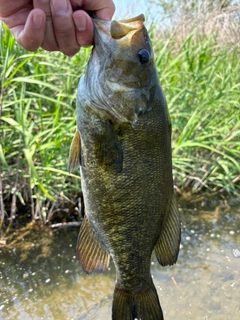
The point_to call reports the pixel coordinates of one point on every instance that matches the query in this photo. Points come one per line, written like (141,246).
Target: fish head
(123,60)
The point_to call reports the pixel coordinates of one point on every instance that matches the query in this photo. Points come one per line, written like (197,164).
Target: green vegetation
(202,83)
(37,124)
(200,77)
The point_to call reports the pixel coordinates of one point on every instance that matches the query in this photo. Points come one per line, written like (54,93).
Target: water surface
(42,279)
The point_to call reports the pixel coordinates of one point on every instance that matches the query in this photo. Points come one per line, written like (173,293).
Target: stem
(2,210)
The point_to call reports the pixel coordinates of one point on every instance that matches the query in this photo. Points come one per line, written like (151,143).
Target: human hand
(54,25)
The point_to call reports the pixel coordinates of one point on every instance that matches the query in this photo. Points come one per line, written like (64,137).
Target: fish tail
(141,304)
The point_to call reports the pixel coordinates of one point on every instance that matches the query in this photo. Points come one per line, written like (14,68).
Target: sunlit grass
(201,80)
(37,122)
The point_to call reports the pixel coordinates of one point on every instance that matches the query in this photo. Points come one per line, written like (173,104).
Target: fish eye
(143,56)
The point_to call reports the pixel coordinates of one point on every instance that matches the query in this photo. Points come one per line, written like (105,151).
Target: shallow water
(45,281)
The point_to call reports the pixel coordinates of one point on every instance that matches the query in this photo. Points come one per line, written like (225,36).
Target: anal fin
(167,246)
(74,153)
(92,256)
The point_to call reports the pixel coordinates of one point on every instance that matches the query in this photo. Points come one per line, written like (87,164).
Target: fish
(122,146)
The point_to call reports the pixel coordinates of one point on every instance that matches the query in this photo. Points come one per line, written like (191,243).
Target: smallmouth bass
(123,148)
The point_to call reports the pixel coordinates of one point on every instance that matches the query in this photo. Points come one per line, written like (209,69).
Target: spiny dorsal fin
(74,153)
(167,246)
(92,257)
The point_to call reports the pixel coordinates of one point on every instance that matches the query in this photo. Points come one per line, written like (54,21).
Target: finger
(64,27)
(49,42)
(9,8)
(104,8)
(84,28)
(30,35)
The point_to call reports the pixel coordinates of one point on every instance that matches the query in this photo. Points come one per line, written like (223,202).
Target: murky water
(45,282)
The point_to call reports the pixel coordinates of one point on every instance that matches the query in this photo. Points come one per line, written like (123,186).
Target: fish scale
(123,147)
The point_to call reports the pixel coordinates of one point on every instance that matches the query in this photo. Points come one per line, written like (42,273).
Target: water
(42,279)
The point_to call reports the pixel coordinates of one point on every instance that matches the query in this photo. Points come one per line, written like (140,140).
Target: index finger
(104,9)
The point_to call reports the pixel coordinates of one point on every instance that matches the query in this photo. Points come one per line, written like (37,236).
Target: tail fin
(142,304)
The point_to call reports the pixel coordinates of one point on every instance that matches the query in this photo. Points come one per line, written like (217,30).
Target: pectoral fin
(92,256)
(167,246)
(74,153)
(108,149)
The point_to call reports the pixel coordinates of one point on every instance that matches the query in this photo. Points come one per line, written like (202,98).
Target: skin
(54,25)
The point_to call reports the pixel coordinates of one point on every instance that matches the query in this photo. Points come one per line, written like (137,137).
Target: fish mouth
(119,29)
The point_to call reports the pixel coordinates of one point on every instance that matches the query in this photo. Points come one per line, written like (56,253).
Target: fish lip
(124,28)
(139,17)
(134,24)
(95,19)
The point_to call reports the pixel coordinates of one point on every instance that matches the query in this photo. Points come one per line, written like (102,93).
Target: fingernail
(60,7)
(38,19)
(80,24)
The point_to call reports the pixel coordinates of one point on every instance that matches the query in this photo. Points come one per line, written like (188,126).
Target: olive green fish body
(124,131)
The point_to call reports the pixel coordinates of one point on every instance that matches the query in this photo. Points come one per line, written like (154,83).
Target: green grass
(201,80)
(37,123)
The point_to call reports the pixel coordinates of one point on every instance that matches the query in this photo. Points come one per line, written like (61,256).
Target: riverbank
(200,76)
